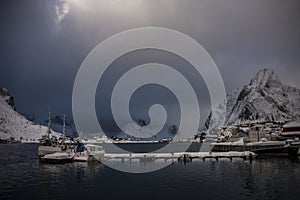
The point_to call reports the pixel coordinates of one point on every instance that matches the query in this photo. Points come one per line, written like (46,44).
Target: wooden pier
(180,156)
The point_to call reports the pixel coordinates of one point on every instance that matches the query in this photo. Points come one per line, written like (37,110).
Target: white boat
(45,150)
(90,153)
(50,145)
(59,157)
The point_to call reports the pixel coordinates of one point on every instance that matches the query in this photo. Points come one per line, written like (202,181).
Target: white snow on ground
(13,124)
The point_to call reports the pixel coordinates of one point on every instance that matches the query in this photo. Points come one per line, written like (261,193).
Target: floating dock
(180,156)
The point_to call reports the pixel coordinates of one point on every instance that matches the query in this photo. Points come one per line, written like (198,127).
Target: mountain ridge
(15,125)
(265,98)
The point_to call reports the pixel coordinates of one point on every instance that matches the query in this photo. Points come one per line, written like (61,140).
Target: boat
(48,145)
(90,152)
(262,147)
(51,144)
(45,150)
(59,157)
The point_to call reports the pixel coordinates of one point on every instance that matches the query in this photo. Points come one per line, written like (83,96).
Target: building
(290,130)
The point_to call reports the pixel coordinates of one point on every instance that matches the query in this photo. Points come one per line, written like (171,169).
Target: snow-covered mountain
(13,124)
(265,98)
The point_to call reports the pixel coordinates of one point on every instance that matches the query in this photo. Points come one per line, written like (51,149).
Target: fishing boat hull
(58,158)
(46,150)
(83,158)
(274,149)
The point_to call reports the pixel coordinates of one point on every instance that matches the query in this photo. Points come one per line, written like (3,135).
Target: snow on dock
(246,155)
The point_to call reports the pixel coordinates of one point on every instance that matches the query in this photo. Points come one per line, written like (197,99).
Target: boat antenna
(64,126)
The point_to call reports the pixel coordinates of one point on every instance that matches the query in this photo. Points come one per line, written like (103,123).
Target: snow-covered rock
(7,97)
(13,124)
(265,98)
(214,119)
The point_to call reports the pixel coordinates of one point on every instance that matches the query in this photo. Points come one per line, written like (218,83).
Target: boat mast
(49,124)
(64,126)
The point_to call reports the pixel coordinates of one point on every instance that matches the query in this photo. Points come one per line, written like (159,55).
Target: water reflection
(78,169)
(270,178)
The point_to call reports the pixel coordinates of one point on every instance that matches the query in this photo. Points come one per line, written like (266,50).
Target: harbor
(245,141)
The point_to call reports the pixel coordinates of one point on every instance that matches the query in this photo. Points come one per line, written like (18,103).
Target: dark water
(22,177)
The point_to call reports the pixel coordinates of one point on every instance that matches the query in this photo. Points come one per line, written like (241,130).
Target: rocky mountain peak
(264,99)
(265,78)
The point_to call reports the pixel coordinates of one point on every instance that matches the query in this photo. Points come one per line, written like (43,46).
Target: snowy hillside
(13,124)
(264,99)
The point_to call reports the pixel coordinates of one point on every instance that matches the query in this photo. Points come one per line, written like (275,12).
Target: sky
(44,42)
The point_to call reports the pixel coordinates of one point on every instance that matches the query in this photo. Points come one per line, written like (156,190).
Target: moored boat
(90,153)
(48,145)
(59,157)
(263,147)
(51,144)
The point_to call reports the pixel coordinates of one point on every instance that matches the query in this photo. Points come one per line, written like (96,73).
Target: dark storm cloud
(42,43)
(147,95)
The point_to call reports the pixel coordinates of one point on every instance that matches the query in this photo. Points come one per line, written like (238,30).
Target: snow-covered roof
(292,124)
